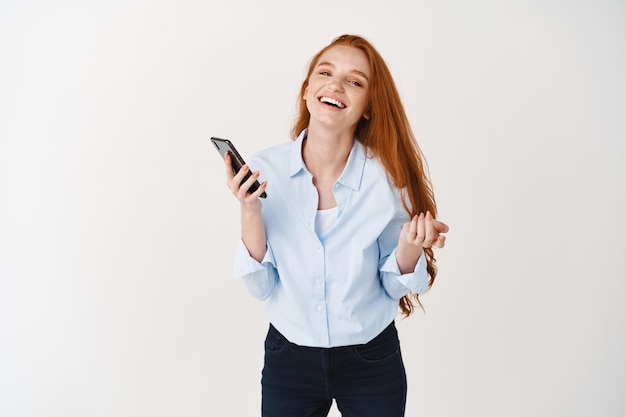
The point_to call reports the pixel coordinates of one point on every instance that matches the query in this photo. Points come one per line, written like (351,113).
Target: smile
(332,102)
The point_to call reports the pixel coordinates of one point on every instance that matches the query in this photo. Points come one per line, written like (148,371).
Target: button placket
(319,306)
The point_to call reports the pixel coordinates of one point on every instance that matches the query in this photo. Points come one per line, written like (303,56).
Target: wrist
(407,256)
(251,211)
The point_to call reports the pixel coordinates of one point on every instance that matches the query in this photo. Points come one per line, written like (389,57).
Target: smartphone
(224,146)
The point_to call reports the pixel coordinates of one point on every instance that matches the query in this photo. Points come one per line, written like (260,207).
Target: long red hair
(389,136)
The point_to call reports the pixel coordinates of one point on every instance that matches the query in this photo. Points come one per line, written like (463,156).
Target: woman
(342,240)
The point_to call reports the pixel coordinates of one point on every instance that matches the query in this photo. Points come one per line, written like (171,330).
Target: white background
(117,231)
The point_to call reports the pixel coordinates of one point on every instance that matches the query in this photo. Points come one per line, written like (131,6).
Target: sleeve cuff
(416,281)
(245,264)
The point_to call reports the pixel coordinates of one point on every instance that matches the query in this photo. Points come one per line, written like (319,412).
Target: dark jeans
(366,380)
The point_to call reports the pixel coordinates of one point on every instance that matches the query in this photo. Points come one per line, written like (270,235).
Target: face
(337,94)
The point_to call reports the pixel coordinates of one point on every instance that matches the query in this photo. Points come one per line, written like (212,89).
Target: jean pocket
(275,342)
(378,352)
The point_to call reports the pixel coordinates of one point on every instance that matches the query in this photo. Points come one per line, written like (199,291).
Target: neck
(325,155)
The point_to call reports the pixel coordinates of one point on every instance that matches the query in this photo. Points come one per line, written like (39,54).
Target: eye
(325,73)
(355,83)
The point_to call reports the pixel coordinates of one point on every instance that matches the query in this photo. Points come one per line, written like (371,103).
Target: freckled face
(338,88)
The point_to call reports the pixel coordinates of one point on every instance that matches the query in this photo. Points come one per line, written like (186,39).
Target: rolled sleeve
(259,277)
(397,284)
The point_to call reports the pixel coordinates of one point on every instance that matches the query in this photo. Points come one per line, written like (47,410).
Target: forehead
(346,56)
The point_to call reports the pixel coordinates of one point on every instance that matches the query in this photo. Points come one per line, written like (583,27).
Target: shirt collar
(352,173)
(296,164)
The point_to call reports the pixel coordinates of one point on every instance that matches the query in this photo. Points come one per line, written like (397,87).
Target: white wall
(117,232)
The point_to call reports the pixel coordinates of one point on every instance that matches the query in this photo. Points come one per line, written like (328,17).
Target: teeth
(332,101)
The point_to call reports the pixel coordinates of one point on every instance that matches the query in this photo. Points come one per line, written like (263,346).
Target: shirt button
(319,251)
(320,307)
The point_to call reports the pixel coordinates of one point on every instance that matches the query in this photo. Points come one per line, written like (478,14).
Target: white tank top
(325,220)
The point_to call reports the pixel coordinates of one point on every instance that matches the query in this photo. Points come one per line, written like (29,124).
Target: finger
(412,231)
(241,173)
(440,226)
(421,230)
(259,190)
(406,227)
(234,184)
(440,242)
(430,233)
(228,167)
(237,179)
(245,187)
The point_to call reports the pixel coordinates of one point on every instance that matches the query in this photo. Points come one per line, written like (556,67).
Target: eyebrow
(354,71)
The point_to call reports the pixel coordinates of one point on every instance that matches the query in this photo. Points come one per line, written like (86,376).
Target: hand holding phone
(224,146)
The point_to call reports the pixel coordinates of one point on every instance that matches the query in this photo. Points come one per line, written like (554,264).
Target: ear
(306,91)
(367,116)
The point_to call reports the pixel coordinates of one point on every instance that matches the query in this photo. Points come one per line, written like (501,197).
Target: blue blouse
(342,287)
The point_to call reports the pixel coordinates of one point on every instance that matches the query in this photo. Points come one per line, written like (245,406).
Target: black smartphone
(225,146)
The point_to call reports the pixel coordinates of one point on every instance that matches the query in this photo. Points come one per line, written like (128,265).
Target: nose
(335,85)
